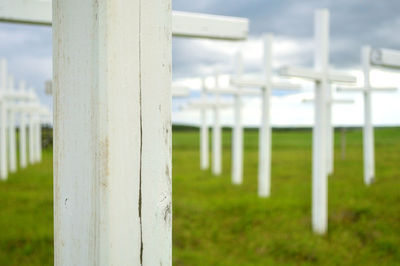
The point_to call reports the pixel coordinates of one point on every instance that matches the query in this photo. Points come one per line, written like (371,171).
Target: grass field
(216,223)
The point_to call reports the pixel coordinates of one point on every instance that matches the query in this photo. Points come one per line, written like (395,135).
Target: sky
(353,24)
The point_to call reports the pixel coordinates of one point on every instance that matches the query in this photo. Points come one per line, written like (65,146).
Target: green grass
(216,223)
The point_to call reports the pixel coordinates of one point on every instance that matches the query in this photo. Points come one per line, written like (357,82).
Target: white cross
(368,131)
(12,103)
(267,85)
(237,133)
(216,105)
(204,104)
(322,76)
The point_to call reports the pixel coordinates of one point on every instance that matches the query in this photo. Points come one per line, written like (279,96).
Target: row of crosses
(20,106)
(323,141)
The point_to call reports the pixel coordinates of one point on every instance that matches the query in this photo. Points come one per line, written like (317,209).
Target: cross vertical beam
(319,173)
(330,133)
(38,139)
(112,84)
(217,136)
(264,158)
(31,134)
(367,57)
(3,121)
(368,131)
(22,133)
(237,134)
(12,141)
(204,139)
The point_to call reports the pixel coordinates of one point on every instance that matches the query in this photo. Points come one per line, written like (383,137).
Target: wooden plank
(332,101)
(385,57)
(265,132)
(368,130)
(300,72)
(204,139)
(112,161)
(235,91)
(22,131)
(3,121)
(184,24)
(180,91)
(319,152)
(31,134)
(312,74)
(362,89)
(12,140)
(247,82)
(36,12)
(216,148)
(237,131)
(194,25)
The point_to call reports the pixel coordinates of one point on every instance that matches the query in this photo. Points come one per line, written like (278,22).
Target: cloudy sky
(353,24)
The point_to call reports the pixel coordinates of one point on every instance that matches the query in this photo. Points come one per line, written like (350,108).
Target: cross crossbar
(180,91)
(386,57)
(361,89)
(208,104)
(234,91)
(334,101)
(248,82)
(184,24)
(312,74)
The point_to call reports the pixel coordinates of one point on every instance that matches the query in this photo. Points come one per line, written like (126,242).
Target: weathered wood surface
(112,159)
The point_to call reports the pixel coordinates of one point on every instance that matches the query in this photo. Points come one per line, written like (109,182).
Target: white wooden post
(112,86)
(12,141)
(31,132)
(320,186)
(204,139)
(204,104)
(343,142)
(237,134)
(330,128)
(330,134)
(266,83)
(368,131)
(22,131)
(217,136)
(264,159)
(38,138)
(322,77)
(3,121)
